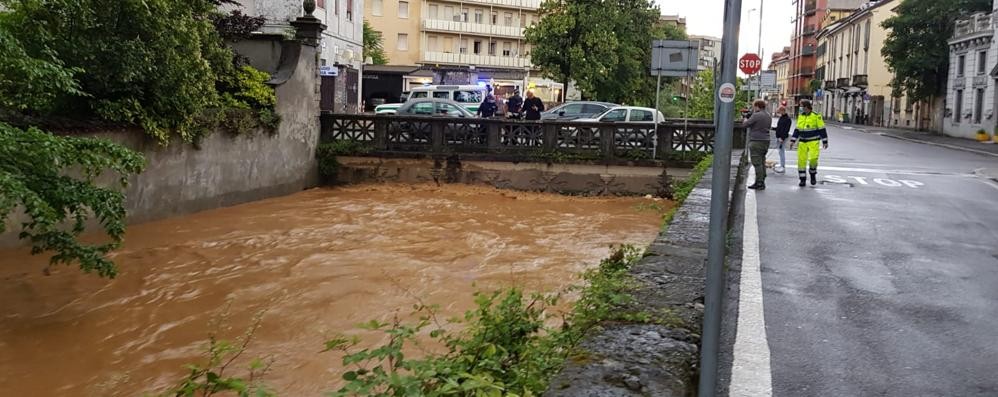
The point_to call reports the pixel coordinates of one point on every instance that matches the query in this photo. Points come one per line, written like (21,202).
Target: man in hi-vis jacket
(811,132)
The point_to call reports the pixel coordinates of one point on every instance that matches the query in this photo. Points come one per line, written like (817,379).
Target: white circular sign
(726,93)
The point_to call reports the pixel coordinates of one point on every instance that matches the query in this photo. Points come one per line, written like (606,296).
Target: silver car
(434,107)
(576,110)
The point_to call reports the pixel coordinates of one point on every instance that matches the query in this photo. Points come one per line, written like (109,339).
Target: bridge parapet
(514,140)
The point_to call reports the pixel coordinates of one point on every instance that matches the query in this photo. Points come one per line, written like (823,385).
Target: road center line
(750,371)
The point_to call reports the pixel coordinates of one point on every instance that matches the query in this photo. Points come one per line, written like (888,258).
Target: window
(449,13)
(479,18)
(615,115)
(507,49)
(434,11)
(422,108)
(403,42)
(508,19)
(449,110)
(448,44)
(574,109)
(982,60)
(492,48)
(464,47)
(336,7)
(464,15)
(441,94)
(960,62)
(959,107)
(432,43)
(468,96)
(420,94)
(897,105)
(377,6)
(477,49)
(978,105)
(495,18)
(349,10)
(641,115)
(592,109)
(866,41)
(403,9)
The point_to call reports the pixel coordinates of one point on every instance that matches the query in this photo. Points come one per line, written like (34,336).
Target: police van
(468,96)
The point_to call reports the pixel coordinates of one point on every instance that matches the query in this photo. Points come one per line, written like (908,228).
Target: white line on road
(791,166)
(750,371)
(945,145)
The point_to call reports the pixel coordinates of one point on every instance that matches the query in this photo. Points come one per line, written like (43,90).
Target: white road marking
(750,371)
(885,171)
(945,145)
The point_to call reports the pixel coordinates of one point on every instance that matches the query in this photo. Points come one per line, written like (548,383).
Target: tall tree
(373,45)
(916,48)
(703,94)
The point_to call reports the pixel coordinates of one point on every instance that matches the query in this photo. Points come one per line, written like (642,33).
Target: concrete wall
(224,169)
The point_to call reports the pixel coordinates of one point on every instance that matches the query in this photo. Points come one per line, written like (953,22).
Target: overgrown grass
(683,189)
(326,154)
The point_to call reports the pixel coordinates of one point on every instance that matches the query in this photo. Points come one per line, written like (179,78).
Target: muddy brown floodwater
(319,262)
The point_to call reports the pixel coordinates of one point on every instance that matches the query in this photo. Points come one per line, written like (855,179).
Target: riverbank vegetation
(159,65)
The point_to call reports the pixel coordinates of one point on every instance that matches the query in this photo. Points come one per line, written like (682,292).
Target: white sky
(706,17)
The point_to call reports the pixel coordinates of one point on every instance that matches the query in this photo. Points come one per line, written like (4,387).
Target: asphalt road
(883,279)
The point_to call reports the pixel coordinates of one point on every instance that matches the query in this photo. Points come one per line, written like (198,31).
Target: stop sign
(750,63)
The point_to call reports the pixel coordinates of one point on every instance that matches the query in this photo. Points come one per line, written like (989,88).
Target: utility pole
(720,186)
(758,75)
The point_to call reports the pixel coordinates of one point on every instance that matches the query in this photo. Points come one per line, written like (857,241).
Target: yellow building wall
(391,25)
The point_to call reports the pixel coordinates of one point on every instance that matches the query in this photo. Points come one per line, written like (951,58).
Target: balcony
(519,4)
(860,81)
(810,30)
(979,24)
(807,51)
(842,84)
(810,7)
(439,25)
(805,71)
(830,85)
(478,60)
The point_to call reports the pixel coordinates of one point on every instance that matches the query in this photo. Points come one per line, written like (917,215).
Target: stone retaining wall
(659,358)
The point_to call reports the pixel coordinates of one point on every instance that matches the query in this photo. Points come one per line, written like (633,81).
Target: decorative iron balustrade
(522,140)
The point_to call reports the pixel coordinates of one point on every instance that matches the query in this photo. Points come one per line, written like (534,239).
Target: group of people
(810,132)
(516,107)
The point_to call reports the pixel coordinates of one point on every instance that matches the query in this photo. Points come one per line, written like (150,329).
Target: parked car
(467,96)
(576,110)
(434,107)
(625,114)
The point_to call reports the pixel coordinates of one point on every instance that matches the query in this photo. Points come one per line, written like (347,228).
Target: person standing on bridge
(533,107)
(811,132)
(758,125)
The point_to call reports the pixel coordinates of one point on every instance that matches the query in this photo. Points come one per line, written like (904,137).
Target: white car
(468,96)
(625,114)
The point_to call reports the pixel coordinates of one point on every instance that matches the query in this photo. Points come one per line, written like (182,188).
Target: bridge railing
(524,139)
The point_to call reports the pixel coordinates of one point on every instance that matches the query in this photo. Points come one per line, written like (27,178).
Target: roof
(862,12)
(400,69)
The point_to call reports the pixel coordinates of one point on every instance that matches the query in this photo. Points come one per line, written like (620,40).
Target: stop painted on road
(862,180)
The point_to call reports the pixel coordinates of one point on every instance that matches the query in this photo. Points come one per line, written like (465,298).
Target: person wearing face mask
(811,133)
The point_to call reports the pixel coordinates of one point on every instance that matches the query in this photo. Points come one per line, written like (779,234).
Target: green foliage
(374,45)
(235,26)
(561,157)
(326,154)
(250,101)
(604,47)
(704,93)
(507,347)
(683,189)
(209,379)
(53,179)
(917,49)
(159,64)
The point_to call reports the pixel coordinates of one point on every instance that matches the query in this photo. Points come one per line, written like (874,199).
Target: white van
(469,96)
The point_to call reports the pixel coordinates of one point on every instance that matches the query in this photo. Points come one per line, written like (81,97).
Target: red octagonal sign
(750,63)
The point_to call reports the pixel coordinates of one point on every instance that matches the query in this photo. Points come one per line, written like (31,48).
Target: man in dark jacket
(488,107)
(758,125)
(533,106)
(782,134)
(514,105)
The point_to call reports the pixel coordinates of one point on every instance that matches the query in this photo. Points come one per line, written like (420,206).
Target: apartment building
(710,49)
(780,63)
(341,47)
(809,16)
(462,42)
(970,93)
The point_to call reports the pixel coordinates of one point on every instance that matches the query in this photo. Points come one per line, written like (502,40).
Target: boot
(758,186)
(814,177)
(803,181)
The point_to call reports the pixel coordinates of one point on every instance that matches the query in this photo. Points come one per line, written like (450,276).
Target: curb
(944,145)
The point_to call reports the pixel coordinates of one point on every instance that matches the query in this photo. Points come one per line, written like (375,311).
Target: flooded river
(318,262)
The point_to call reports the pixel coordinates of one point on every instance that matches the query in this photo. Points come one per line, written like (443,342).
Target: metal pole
(714,296)
(759,74)
(658,95)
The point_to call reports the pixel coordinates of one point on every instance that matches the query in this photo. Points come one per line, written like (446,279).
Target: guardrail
(514,140)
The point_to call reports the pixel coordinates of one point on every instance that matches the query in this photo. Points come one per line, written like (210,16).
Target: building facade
(710,50)
(462,42)
(341,47)
(970,93)
(808,20)
(780,63)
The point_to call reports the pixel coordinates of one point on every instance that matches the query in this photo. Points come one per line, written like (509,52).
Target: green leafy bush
(507,347)
(683,189)
(326,154)
(53,180)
